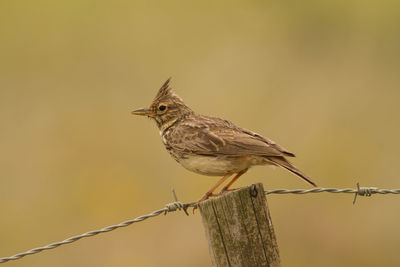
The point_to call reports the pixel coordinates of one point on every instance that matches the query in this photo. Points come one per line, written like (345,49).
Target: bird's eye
(162,107)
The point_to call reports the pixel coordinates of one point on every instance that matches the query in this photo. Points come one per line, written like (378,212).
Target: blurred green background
(320,78)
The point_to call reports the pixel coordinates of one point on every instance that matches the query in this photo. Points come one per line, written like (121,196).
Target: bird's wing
(226,139)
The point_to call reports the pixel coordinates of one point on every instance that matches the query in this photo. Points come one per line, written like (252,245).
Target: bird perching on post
(209,145)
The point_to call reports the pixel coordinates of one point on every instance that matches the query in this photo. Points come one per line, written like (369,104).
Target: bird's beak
(142,112)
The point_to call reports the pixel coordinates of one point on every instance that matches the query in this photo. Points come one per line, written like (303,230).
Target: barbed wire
(359,191)
(177,205)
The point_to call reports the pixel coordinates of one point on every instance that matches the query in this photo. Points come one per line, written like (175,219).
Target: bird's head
(166,107)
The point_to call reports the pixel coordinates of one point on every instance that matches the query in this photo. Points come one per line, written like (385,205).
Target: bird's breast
(215,165)
(212,165)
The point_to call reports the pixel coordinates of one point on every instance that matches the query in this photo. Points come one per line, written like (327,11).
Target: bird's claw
(226,190)
(205,197)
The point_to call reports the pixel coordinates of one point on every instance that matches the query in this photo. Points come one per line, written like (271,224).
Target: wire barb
(364,191)
(171,207)
(177,205)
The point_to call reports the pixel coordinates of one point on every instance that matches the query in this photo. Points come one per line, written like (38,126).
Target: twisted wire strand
(359,191)
(362,191)
(168,208)
(171,207)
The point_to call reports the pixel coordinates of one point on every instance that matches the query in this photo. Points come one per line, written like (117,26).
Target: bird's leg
(212,189)
(226,187)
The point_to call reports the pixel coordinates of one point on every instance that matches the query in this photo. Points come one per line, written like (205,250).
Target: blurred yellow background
(320,78)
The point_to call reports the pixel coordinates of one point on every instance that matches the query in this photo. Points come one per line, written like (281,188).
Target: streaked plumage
(209,145)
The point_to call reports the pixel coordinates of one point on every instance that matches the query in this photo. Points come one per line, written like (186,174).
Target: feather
(284,163)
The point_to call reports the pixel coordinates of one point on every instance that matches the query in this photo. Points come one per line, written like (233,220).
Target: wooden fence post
(239,229)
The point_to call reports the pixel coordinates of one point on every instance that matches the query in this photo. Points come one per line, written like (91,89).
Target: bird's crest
(164,90)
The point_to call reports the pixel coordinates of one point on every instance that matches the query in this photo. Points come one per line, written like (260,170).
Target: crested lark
(209,145)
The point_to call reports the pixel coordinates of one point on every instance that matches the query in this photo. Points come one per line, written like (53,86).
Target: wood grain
(239,229)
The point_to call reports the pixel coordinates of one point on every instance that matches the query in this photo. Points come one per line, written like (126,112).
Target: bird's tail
(284,163)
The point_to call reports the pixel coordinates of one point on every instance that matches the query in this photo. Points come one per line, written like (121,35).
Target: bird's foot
(205,197)
(226,190)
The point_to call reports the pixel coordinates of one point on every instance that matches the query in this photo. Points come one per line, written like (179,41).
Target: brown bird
(209,145)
